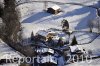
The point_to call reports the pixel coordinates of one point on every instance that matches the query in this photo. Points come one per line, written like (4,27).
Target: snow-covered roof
(53,29)
(48,58)
(44,50)
(61,35)
(73,48)
(45,33)
(50,31)
(42,33)
(55,7)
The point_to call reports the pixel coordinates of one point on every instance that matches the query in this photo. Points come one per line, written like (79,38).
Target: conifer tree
(10,17)
(74,41)
(1,11)
(32,36)
(60,42)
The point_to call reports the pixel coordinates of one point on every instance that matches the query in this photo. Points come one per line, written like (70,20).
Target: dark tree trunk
(11,20)
(11,28)
(1,11)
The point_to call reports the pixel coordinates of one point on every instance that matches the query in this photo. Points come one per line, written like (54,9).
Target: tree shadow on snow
(83,22)
(35,17)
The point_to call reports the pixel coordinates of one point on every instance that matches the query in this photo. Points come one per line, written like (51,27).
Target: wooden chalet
(54,10)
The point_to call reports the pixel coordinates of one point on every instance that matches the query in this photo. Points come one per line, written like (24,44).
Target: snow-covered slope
(34,18)
(7,52)
(83,37)
(94,47)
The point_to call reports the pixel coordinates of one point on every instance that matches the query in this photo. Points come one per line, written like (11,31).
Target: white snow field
(93,62)
(94,47)
(83,37)
(33,17)
(7,52)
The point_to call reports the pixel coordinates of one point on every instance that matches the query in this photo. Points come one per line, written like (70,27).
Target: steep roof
(42,33)
(45,33)
(73,48)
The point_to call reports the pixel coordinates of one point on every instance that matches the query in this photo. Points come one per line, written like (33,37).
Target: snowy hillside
(94,47)
(84,37)
(42,28)
(35,19)
(6,51)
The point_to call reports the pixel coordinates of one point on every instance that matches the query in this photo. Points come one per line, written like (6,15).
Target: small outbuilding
(54,10)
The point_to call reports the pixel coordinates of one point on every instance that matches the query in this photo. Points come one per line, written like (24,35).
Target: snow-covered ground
(35,19)
(7,52)
(10,64)
(94,62)
(66,1)
(94,47)
(83,37)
